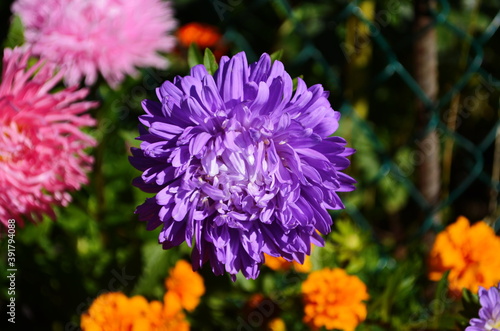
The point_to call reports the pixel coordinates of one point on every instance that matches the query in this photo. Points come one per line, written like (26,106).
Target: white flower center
(492,324)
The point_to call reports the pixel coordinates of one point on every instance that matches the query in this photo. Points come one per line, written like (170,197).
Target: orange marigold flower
(203,35)
(115,312)
(171,304)
(171,310)
(259,310)
(166,317)
(186,284)
(334,300)
(254,301)
(470,253)
(280,264)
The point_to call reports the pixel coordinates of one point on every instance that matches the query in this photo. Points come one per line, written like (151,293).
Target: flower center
(492,324)
(236,178)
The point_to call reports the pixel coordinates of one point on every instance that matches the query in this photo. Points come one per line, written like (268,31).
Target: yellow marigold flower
(276,324)
(469,252)
(280,264)
(334,300)
(116,312)
(186,284)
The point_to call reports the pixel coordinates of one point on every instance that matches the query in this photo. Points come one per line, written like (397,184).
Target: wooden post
(426,74)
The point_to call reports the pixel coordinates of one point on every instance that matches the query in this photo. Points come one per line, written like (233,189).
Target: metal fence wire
(417,84)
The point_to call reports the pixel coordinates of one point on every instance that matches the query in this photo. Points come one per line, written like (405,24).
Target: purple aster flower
(489,314)
(241,165)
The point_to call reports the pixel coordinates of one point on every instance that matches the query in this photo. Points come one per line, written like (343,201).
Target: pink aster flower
(107,36)
(42,153)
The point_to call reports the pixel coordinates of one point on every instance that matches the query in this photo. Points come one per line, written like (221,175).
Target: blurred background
(419,93)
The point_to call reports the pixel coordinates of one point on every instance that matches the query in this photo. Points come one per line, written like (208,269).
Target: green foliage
(394,192)
(155,266)
(15,36)
(194,55)
(277,55)
(470,303)
(351,247)
(210,62)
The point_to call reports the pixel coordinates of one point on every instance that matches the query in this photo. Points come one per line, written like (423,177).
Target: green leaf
(210,62)
(194,56)
(277,55)
(442,287)
(155,269)
(248,285)
(440,299)
(268,283)
(296,81)
(470,303)
(15,37)
(393,193)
